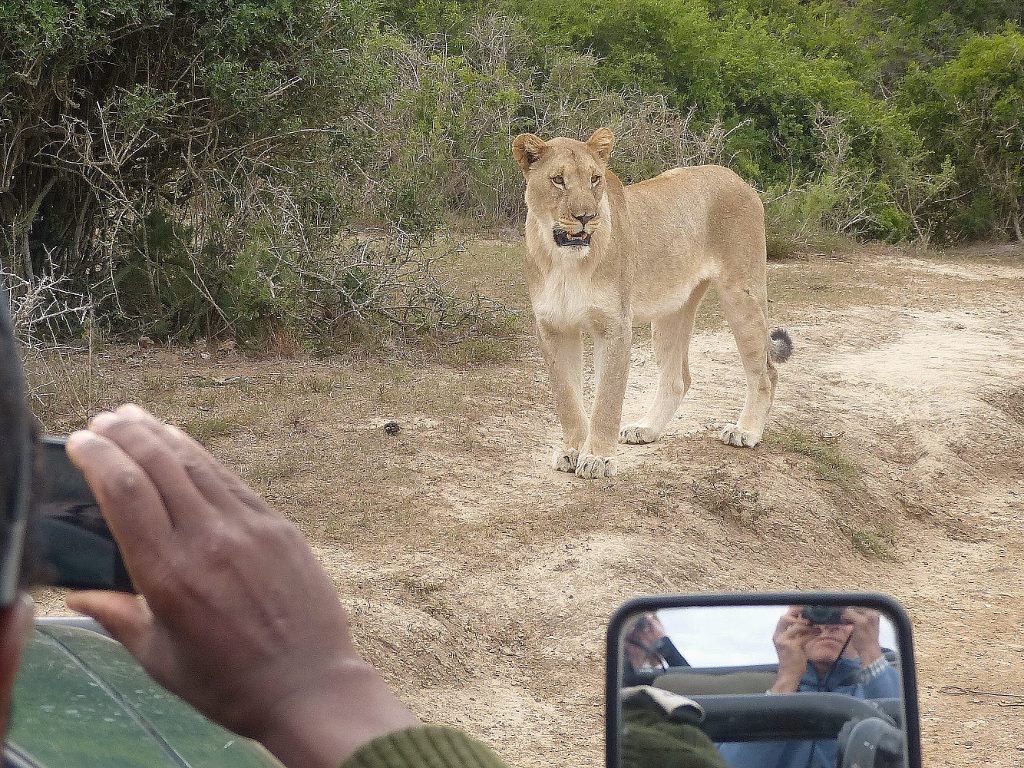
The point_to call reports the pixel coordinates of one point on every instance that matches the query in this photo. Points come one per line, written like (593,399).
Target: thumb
(126,617)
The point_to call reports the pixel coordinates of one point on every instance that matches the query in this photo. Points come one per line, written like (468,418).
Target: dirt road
(481,581)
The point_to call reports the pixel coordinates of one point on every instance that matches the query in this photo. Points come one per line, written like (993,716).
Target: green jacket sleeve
(660,729)
(650,740)
(425,746)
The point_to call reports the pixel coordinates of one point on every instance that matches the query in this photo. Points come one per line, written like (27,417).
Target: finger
(789,621)
(210,478)
(127,497)
(857,616)
(222,487)
(791,638)
(126,617)
(800,634)
(794,630)
(179,496)
(792,614)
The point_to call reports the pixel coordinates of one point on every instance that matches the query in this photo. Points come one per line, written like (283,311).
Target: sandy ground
(481,581)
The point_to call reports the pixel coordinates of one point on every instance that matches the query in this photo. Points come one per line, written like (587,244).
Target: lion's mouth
(580,240)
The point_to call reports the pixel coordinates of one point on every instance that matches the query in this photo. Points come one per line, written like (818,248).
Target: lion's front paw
(592,467)
(638,435)
(565,459)
(741,438)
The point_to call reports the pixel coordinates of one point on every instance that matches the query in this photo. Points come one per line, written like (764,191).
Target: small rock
(392,428)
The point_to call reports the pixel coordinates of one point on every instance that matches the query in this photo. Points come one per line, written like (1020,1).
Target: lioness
(603,256)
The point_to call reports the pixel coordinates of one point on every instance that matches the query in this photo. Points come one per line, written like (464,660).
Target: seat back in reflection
(697,681)
(709,681)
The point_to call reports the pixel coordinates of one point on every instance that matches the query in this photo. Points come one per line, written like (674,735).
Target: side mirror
(760,680)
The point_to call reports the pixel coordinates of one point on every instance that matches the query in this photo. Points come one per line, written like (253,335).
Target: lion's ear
(600,143)
(528,149)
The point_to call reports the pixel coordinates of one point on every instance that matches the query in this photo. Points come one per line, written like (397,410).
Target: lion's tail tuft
(782,345)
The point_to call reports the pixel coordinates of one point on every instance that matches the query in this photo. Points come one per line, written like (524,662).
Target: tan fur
(654,249)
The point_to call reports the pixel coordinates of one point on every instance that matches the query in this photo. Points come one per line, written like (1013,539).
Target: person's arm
(864,637)
(789,637)
(649,632)
(424,746)
(881,680)
(652,739)
(670,653)
(264,651)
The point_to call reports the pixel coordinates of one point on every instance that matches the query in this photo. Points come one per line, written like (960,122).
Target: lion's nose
(583,218)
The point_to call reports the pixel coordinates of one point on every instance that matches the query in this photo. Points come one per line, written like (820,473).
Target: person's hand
(648,630)
(864,637)
(792,631)
(239,618)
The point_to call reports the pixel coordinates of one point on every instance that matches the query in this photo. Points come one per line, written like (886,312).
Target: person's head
(640,639)
(827,642)
(641,624)
(17,439)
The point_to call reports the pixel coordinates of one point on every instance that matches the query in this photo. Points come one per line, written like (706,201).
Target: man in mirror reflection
(660,729)
(844,657)
(648,650)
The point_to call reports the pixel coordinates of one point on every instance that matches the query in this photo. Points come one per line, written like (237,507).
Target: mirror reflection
(786,686)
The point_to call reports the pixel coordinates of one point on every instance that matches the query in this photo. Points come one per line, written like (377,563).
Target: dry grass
(720,493)
(829,460)
(205,429)
(873,544)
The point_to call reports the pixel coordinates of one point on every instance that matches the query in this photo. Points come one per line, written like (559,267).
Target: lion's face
(565,184)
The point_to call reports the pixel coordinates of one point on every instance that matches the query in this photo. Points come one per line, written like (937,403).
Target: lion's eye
(558,181)
(595,180)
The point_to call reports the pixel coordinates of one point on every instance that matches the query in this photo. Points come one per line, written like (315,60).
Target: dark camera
(823,614)
(70,540)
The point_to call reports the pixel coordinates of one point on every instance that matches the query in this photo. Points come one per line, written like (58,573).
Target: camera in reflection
(823,614)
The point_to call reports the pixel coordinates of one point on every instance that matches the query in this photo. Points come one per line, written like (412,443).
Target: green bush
(969,110)
(769,75)
(170,158)
(146,142)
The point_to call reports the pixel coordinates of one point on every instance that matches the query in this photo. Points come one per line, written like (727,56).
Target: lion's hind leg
(746,309)
(671,341)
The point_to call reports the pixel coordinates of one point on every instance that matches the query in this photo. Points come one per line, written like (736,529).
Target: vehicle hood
(81,700)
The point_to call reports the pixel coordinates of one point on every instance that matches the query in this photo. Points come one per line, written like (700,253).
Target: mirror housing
(733,707)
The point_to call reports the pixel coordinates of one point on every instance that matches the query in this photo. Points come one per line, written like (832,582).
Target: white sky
(728,635)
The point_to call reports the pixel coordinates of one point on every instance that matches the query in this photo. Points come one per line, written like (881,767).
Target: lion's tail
(782,345)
